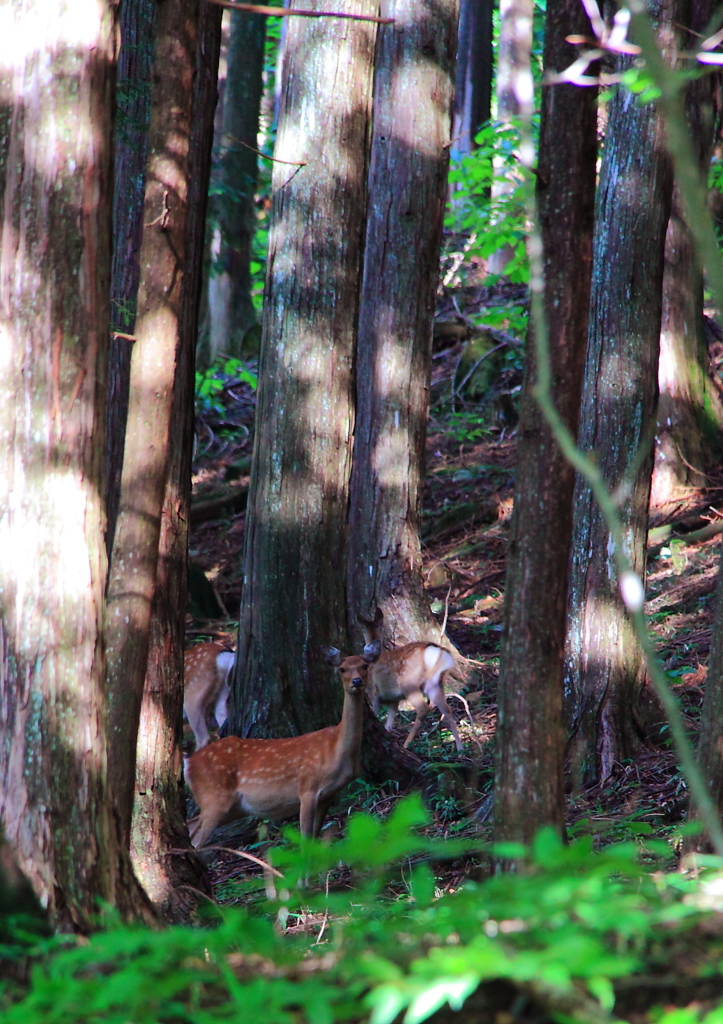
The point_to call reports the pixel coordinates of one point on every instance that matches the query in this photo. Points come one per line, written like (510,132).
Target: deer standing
(206,671)
(284,777)
(412,672)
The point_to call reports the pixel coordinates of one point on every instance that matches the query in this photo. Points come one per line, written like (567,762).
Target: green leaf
(447,990)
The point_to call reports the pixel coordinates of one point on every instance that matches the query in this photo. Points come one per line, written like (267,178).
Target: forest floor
(467,507)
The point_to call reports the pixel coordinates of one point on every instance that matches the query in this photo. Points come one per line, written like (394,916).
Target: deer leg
(200,828)
(416,699)
(197,720)
(322,806)
(307,813)
(391,715)
(435,692)
(220,711)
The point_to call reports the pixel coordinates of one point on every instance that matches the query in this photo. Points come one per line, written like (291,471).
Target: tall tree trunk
(513,55)
(133,89)
(690,411)
(473,93)
(710,755)
(603,672)
(159,832)
(294,595)
(407,187)
(132,577)
(530,738)
(231,306)
(55,178)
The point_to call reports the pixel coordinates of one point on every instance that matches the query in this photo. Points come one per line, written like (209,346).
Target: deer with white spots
(281,778)
(206,671)
(415,672)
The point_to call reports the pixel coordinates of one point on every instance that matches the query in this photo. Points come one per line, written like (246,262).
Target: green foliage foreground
(565,933)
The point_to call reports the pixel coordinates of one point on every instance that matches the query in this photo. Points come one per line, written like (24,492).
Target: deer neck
(349,737)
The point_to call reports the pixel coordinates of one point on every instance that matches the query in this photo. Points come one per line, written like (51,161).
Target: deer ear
(332,656)
(372,651)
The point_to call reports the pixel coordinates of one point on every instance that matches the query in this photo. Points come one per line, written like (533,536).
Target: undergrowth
(571,930)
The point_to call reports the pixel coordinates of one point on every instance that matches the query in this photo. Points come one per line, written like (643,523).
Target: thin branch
(239,142)
(287,12)
(247,856)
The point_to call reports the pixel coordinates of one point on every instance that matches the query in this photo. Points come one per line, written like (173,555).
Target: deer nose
(357,682)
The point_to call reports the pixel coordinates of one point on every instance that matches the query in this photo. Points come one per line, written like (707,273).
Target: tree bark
(604,672)
(710,754)
(529,790)
(159,834)
(231,306)
(690,410)
(132,577)
(294,595)
(475,61)
(407,189)
(133,92)
(513,57)
(55,182)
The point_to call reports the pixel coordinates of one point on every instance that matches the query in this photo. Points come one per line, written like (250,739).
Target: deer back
(265,778)
(400,671)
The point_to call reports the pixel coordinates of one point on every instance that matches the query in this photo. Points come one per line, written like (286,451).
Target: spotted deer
(206,670)
(414,672)
(281,778)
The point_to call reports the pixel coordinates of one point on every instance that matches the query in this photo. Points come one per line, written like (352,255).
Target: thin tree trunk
(55,178)
(513,54)
(231,306)
(473,93)
(294,596)
(530,739)
(133,89)
(407,188)
(132,578)
(604,673)
(159,832)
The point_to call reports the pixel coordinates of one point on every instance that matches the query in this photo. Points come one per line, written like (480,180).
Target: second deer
(206,671)
(414,672)
(284,777)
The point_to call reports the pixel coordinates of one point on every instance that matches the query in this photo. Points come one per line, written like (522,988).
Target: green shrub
(565,930)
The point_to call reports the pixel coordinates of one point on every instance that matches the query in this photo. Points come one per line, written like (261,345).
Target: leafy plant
(212,382)
(488,199)
(565,931)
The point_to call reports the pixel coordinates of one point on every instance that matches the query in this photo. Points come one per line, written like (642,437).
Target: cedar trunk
(407,189)
(710,755)
(133,93)
(513,59)
(55,185)
(294,596)
(159,834)
(132,577)
(530,740)
(690,410)
(475,62)
(230,304)
(604,672)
